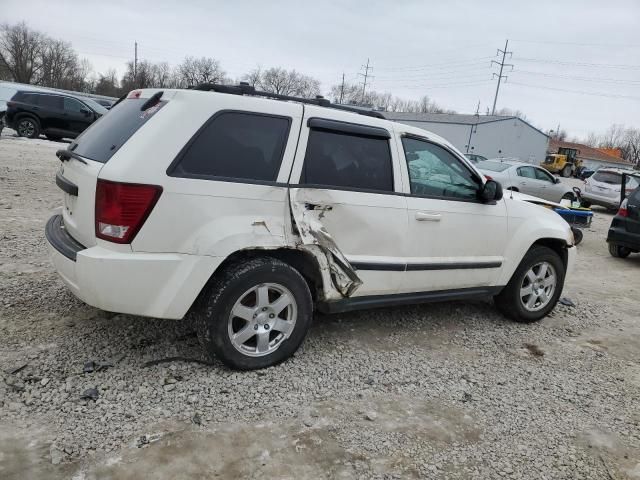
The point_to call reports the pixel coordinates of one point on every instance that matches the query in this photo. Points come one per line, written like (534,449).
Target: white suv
(248,212)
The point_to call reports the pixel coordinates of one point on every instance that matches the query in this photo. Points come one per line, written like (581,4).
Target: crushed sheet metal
(312,232)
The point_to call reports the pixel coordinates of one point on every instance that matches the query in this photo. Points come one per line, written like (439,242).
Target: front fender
(529,223)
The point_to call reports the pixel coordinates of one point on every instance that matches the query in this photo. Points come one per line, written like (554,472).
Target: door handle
(428,217)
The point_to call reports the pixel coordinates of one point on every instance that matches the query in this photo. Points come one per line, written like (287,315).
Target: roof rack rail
(243,88)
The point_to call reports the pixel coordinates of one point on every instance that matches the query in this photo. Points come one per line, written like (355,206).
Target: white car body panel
(197,224)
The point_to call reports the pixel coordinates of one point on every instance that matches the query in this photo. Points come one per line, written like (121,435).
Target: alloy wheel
(261,319)
(538,286)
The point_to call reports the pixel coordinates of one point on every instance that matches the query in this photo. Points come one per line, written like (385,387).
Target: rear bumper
(602,201)
(161,285)
(619,236)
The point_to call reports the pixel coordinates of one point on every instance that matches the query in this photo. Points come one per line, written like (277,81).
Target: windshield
(95,106)
(493,166)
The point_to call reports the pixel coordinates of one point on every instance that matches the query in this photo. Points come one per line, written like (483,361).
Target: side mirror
(85,112)
(556,180)
(491,191)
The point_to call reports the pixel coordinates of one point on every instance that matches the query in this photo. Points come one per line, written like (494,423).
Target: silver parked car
(526,178)
(603,187)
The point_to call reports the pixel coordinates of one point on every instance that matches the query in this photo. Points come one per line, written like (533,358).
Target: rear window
(236,145)
(100,141)
(608,177)
(493,166)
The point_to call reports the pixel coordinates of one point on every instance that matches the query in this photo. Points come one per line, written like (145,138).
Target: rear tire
(530,277)
(254,291)
(566,171)
(619,251)
(28,127)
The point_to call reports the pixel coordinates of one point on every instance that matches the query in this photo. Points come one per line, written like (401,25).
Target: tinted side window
(236,145)
(50,101)
(73,105)
(527,172)
(29,98)
(337,159)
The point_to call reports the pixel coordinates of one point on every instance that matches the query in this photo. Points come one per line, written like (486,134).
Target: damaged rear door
(343,200)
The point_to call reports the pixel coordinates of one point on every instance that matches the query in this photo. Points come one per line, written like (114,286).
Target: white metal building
(488,135)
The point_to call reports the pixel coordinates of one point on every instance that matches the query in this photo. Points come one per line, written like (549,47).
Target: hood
(531,199)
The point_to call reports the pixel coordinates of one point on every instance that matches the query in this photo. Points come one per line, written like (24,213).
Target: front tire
(534,288)
(619,251)
(566,171)
(254,314)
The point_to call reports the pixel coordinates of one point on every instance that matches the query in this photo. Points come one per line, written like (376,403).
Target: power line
(586,79)
(580,44)
(577,64)
(582,92)
(452,63)
(499,75)
(435,73)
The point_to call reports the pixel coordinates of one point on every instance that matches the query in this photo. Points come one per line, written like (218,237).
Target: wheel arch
(303,261)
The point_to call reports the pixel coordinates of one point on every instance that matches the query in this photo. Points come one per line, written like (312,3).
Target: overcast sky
(576,62)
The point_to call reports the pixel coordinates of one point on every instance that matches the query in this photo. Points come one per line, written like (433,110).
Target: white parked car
(248,213)
(526,178)
(603,187)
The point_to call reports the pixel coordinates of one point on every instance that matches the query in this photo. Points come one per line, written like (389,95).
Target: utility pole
(500,76)
(478,108)
(135,63)
(342,89)
(366,76)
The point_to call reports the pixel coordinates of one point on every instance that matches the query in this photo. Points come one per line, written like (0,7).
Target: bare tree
(20,48)
(107,84)
(613,137)
(201,70)
(630,148)
(283,82)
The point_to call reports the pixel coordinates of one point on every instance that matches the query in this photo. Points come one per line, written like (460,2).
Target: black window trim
(440,197)
(194,176)
(379,135)
(356,129)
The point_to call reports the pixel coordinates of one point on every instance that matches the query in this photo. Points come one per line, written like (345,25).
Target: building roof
(587,152)
(453,118)
(458,118)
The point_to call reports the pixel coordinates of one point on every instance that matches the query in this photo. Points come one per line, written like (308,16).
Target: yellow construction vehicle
(565,162)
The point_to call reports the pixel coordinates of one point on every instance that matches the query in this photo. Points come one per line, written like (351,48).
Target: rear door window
(51,102)
(338,159)
(100,141)
(527,172)
(235,145)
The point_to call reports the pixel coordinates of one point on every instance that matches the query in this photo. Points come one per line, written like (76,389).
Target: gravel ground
(435,391)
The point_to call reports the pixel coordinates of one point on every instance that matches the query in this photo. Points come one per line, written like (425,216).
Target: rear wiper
(64,155)
(155,98)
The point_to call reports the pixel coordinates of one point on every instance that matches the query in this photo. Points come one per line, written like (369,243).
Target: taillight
(122,208)
(11,104)
(623,212)
(134,94)
(488,177)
